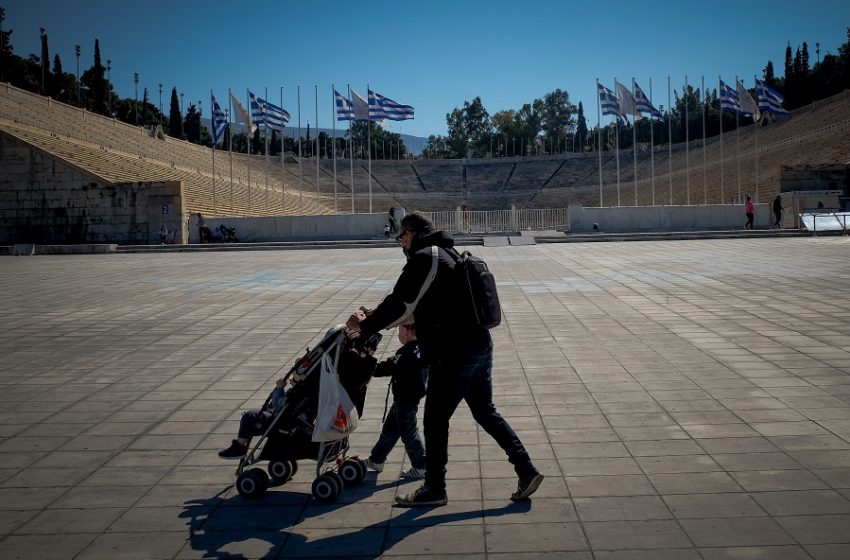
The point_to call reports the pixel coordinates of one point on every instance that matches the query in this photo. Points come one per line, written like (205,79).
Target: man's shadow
(267,525)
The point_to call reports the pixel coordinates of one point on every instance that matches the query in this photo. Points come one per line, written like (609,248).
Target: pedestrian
(750,211)
(391,219)
(387,231)
(777,211)
(408,376)
(203,231)
(458,353)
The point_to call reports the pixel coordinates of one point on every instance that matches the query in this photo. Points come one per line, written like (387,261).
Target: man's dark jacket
(444,326)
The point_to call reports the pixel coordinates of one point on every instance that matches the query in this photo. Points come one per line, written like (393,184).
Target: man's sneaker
(413,473)
(235,451)
(372,465)
(527,486)
(423,497)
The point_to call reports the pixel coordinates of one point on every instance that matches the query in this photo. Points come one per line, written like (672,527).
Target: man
(777,211)
(458,352)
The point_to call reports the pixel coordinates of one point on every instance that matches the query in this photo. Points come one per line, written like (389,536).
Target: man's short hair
(418,223)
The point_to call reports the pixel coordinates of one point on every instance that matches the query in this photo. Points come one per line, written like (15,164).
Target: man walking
(458,352)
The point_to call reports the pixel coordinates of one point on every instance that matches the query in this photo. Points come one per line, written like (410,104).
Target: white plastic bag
(337,415)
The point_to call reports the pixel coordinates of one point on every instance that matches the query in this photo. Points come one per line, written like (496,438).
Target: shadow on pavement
(231,527)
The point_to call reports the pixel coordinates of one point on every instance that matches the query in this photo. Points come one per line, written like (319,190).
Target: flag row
(735,100)
(262,112)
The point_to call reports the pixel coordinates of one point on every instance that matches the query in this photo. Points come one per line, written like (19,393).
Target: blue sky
(432,55)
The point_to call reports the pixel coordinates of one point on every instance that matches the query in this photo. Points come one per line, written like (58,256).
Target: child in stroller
(287,420)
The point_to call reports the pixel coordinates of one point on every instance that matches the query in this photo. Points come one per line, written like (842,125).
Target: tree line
(554,125)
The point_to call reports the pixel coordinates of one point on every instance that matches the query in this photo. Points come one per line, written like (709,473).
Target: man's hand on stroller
(353,323)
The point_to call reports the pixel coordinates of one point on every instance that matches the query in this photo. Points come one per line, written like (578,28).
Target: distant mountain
(414,144)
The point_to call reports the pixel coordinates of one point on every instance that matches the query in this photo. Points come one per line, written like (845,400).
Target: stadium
(72,176)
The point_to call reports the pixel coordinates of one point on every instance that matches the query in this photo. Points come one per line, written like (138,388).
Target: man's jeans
(468,378)
(400,423)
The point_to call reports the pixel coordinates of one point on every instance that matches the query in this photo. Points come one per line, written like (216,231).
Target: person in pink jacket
(750,210)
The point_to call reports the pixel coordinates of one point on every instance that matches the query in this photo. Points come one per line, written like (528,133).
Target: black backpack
(478,288)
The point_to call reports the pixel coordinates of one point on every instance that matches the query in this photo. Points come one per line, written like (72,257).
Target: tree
(57,83)
(557,116)
(769,77)
(175,119)
(45,64)
(192,125)
(789,75)
(581,128)
(469,130)
(98,86)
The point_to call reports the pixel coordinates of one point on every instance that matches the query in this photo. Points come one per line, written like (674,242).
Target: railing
(492,221)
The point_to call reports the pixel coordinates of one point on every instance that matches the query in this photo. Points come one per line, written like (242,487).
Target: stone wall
(666,218)
(47,201)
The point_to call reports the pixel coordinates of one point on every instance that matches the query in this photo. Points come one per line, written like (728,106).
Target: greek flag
(263,112)
(609,102)
(219,121)
(643,104)
(769,99)
(344,107)
(381,107)
(729,98)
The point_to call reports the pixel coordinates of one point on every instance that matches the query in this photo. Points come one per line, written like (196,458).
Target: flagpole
(634,142)
(738,141)
(300,157)
(369,140)
(756,123)
(318,155)
(230,144)
(687,148)
(652,144)
(704,179)
(282,159)
(250,134)
(212,107)
(351,149)
(617,132)
(720,114)
(598,139)
(669,141)
(266,131)
(333,122)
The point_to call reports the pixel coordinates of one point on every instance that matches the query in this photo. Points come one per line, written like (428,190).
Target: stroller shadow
(230,527)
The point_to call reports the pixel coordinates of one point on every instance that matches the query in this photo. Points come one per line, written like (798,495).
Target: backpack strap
(429,279)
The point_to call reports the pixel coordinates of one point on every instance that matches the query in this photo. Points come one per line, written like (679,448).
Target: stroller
(289,436)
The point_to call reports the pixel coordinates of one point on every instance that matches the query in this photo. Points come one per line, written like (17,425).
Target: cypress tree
(98,83)
(581,127)
(58,81)
(45,64)
(789,74)
(175,120)
(769,77)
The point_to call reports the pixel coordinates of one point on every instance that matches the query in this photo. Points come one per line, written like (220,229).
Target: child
(408,375)
(254,423)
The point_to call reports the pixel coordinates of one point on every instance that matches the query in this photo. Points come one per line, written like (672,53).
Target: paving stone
(647,386)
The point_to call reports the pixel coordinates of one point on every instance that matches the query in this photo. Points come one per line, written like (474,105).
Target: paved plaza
(685,400)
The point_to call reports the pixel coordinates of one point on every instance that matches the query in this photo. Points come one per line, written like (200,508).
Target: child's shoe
(413,473)
(372,465)
(235,451)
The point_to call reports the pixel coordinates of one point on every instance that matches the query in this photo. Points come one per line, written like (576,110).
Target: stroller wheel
(252,483)
(282,471)
(327,487)
(351,472)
